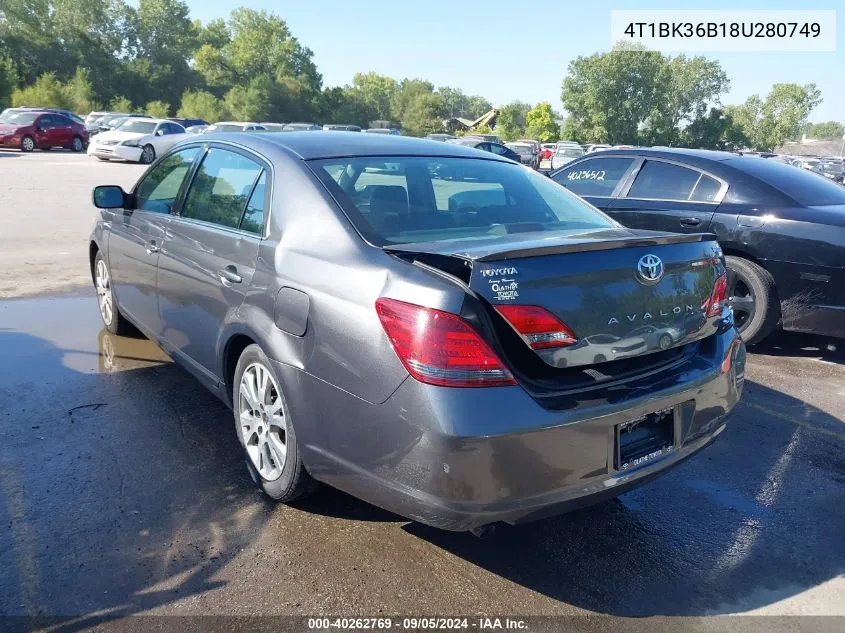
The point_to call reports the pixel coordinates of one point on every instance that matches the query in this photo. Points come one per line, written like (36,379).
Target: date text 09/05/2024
(416,624)
(723,29)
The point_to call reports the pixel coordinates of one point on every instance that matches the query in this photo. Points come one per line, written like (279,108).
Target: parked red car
(27,130)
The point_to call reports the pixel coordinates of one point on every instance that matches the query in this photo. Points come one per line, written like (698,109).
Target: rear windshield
(418,199)
(804,186)
(570,152)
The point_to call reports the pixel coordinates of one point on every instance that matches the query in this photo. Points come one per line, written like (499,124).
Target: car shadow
(10,153)
(754,519)
(803,345)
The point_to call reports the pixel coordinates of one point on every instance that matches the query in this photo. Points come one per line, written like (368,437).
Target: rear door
(210,253)
(596,179)
(667,196)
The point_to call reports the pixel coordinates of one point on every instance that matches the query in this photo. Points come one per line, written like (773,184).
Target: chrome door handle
(152,248)
(229,275)
(690,221)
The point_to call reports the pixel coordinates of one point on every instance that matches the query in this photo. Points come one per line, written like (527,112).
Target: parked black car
(782,229)
(487,146)
(186,123)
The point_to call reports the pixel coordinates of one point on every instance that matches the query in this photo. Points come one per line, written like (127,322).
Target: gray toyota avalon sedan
(429,327)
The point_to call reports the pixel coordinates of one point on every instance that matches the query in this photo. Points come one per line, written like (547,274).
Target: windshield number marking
(587,174)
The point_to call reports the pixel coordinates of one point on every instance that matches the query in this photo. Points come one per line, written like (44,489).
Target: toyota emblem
(650,269)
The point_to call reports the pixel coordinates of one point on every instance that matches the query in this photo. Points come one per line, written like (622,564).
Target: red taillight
(537,326)
(718,297)
(440,348)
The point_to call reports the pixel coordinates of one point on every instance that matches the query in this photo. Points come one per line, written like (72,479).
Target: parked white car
(565,154)
(235,126)
(137,140)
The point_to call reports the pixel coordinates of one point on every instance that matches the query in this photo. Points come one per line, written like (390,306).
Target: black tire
(148,155)
(116,323)
(77,145)
(27,144)
(294,482)
(757,318)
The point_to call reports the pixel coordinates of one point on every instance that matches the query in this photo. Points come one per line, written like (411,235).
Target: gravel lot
(122,489)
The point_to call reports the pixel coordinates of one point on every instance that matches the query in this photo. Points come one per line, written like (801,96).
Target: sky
(518,49)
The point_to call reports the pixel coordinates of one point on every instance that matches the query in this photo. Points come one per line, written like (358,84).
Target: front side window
(412,199)
(594,177)
(663,181)
(221,187)
(159,189)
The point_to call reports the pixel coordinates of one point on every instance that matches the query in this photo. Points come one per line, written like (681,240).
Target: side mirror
(159,133)
(109,197)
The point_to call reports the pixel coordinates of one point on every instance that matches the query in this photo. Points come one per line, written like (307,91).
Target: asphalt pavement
(123,491)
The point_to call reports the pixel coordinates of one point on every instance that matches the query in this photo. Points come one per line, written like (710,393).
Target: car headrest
(389,199)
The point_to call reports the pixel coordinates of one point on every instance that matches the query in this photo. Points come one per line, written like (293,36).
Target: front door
(210,254)
(137,236)
(668,197)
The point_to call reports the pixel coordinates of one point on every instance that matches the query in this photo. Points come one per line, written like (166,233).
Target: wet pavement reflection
(123,490)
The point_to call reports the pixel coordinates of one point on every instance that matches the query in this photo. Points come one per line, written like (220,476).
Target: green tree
(828,130)
(215,33)
(417,95)
(423,114)
(345,105)
(632,95)
(511,121)
(158,109)
(199,104)
(80,93)
(47,92)
(476,106)
(769,122)
(376,92)
(716,130)
(541,123)
(8,80)
(120,104)
(250,102)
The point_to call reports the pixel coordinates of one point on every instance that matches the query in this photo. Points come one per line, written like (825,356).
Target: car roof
(319,144)
(235,123)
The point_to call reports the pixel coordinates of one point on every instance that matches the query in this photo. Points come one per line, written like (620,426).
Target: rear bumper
(463,458)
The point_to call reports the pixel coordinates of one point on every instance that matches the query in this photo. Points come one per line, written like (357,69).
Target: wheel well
(727,250)
(234,348)
(93,249)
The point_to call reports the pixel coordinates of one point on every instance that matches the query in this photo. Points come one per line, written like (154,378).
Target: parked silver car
(402,319)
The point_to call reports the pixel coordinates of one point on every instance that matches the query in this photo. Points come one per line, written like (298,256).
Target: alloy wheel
(741,298)
(262,421)
(104,293)
(147,155)
(76,146)
(27,144)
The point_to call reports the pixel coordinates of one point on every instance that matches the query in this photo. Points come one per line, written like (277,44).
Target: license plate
(645,439)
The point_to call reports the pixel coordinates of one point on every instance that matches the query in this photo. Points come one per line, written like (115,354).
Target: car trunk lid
(619,292)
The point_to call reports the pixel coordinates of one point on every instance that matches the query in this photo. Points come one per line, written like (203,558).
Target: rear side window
(159,189)
(663,181)
(707,189)
(803,186)
(221,187)
(594,177)
(416,198)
